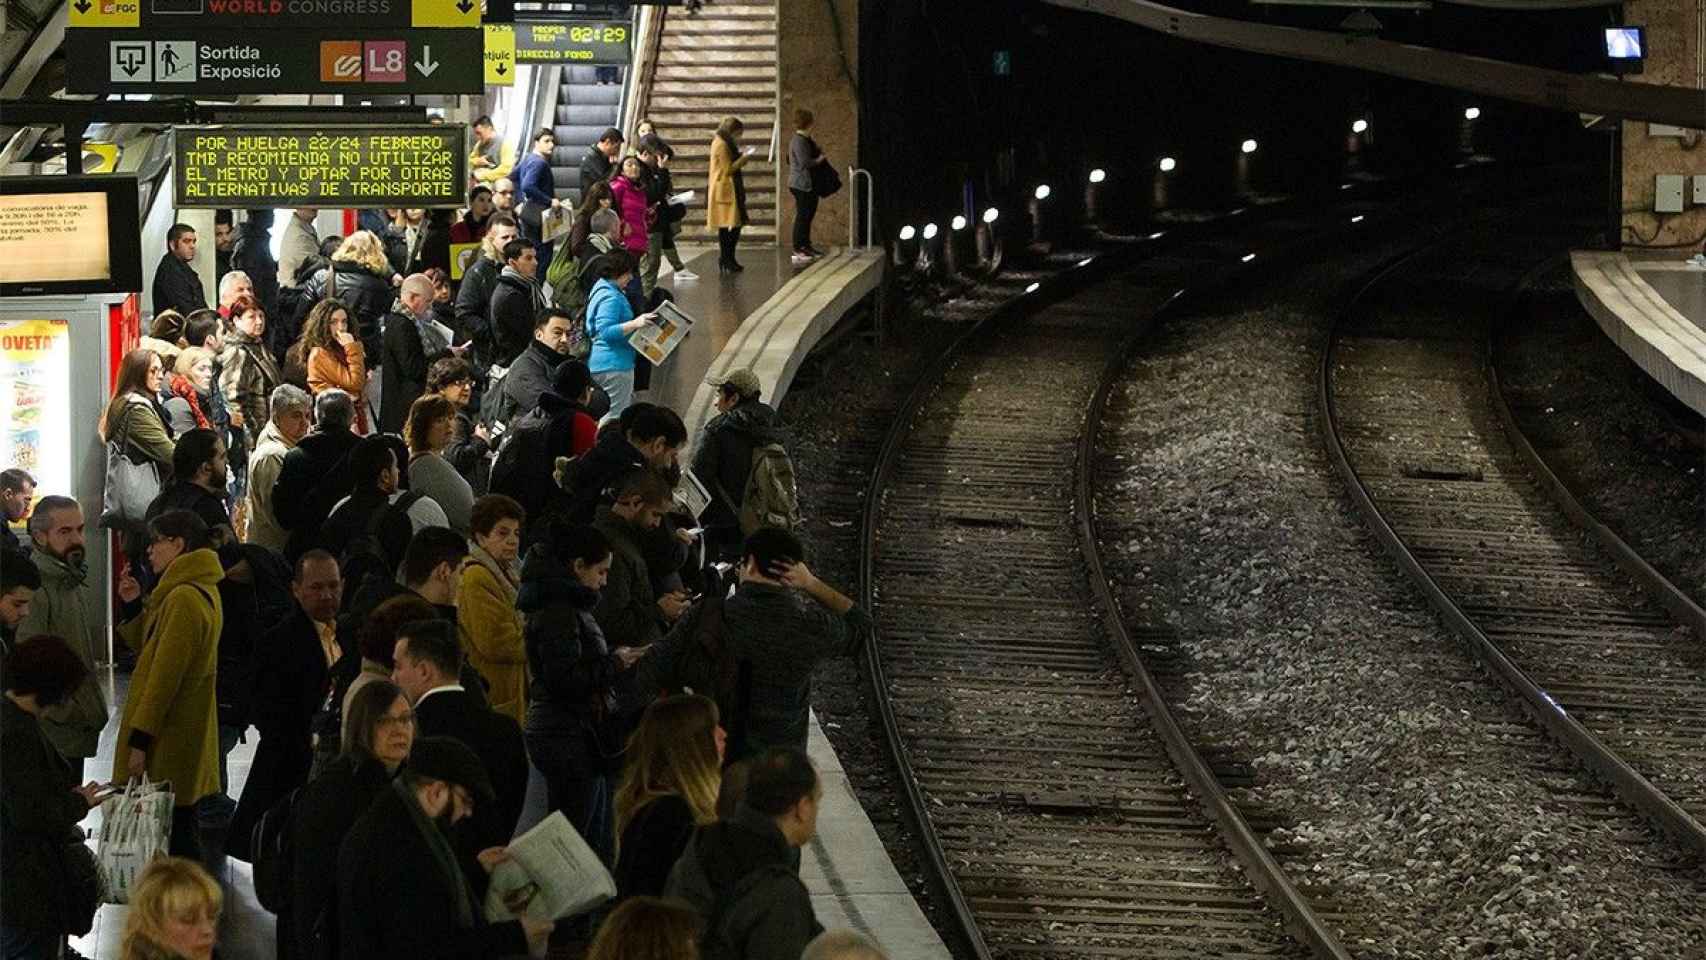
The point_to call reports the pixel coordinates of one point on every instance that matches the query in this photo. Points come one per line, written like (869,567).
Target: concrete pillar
(816,72)
(206,261)
(1674,56)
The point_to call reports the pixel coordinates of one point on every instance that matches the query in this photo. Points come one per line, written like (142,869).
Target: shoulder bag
(133,481)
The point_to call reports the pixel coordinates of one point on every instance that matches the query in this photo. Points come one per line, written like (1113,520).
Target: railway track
(1532,584)
(1059,804)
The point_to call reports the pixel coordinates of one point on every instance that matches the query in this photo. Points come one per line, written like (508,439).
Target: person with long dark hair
(134,415)
(725,199)
(330,356)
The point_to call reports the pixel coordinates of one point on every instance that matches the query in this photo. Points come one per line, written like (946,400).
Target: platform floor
(1655,310)
(852,881)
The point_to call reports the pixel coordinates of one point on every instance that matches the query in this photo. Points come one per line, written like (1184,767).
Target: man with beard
(199,476)
(66,607)
(401,891)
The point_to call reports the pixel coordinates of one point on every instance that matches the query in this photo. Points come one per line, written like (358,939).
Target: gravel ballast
(1441,823)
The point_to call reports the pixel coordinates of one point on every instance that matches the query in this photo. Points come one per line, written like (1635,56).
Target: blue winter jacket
(607,309)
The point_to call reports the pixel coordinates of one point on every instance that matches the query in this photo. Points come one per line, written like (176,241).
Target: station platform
(768,318)
(1654,309)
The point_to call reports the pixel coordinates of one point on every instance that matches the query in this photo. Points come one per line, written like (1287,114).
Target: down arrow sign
(465,6)
(426,64)
(83,6)
(502,69)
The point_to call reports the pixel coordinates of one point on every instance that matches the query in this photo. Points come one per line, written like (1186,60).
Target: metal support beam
(1537,86)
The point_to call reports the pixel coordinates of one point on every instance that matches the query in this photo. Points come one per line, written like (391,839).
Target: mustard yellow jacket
(172,711)
(491,632)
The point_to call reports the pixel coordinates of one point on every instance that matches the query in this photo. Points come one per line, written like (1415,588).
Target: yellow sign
(500,55)
(100,157)
(462,256)
(106,13)
(446,13)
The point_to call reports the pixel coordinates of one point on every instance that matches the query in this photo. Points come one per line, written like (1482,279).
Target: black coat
(611,457)
(474,308)
(595,166)
(573,673)
(496,739)
(529,377)
(395,901)
(291,679)
(39,813)
(325,811)
(653,841)
(252,254)
(514,305)
(313,478)
(368,295)
(402,374)
(177,287)
(723,458)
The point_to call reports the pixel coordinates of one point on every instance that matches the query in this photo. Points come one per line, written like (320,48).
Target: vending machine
(70,272)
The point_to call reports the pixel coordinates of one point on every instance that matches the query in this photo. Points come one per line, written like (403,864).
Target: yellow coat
(491,632)
(721,210)
(172,700)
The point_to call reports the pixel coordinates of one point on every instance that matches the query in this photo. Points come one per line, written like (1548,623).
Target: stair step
(727,28)
(699,74)
(706,119)
(715,103)
(676,43)
(700,91)
(721,54)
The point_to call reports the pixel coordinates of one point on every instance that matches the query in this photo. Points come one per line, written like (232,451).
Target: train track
(1060,807)
(1593,641)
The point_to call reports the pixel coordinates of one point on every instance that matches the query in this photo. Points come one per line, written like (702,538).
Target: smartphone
(696,532)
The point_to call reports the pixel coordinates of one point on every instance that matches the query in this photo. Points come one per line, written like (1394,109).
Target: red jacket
(630,203)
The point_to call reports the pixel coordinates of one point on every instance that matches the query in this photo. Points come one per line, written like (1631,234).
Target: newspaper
(551,873)
(692,495)
(555,223)
(656,341)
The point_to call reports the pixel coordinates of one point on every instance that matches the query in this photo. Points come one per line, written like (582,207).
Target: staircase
(719,62)
(585,109)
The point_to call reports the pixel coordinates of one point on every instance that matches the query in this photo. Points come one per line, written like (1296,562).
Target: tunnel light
(1473,113)
(1360,126)
(1168,164)
(1098,175)
(1158,235)
(1248,146)
(1042,191)
(959,223)
(908,232)
(1034,287)
(991,215)
(930,231)
(1357,219)
(1246,258)
(1086,261)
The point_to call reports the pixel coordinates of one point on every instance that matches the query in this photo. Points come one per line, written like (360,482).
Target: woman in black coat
(40,808)
(378,732)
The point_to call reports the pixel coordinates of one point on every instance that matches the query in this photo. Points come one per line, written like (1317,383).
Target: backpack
(521,469)
(365,555)
(715,944)
(772,498)
(270,850)
(707,664)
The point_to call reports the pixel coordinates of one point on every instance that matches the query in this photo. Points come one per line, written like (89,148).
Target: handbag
(136,827)
(825,181)
(131,484)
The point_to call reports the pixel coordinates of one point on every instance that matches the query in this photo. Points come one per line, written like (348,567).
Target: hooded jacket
(66,607)
(723,457)
(766,912)
(573,673)
(173,711)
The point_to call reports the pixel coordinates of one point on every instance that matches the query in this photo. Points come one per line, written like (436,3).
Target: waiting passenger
(610,321)
(301,243)
(66,605)
(723,457)
(360,276)
(287,427)
(413,340)
(669,788)
(843,945)
(134,417)
(198,484)
(177,286)
(234,286)
(485,603)
(473,309)
(315,475)
(453,379)
(725,197)
(174,912)
(431,425)
(516,301)
(600,158)
(472,227)
(17,488)
(648,928)
(531,373)
(330,357)
(249,371)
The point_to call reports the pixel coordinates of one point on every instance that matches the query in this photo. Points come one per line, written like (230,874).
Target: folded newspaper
(681,199)
(656,341)
(692,495)
(555,223)
(551,873)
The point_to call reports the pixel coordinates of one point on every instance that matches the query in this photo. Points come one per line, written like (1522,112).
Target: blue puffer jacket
(606,311)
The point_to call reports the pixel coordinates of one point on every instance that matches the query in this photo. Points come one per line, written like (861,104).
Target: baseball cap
(450,760)
(742,381)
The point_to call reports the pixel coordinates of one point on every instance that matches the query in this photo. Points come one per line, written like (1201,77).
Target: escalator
(585,109)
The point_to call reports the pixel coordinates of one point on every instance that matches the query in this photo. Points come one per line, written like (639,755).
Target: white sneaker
(802,258)
(684,275)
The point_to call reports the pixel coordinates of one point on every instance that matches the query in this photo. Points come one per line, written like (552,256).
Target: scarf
(532,284)
(181,387)
(441,852)
(509,579)
(433,340)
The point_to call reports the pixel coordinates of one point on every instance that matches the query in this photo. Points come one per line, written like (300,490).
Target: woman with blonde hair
(174,913)
(191,386)
(360,275)
(648,928)
(669,787)
(329,355)
(725,195)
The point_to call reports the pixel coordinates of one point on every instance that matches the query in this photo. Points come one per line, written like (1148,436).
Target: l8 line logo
(353,61)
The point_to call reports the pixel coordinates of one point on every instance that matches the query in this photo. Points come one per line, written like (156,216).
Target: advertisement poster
(35,400)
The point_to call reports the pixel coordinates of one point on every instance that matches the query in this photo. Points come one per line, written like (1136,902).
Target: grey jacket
(801,151)
(766,912)
(66,607)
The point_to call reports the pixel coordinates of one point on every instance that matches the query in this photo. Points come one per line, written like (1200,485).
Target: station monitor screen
(67,234)
(1626,43)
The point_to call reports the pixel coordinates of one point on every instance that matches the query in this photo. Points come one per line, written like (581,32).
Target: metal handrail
(853,175)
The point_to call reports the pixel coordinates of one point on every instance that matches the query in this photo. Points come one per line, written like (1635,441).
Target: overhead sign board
(423,165)
(500,55)
(315,17)
(581,42)
(258,61)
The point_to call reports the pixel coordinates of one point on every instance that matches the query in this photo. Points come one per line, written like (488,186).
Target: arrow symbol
(82,6)
(503,68)
(132,59)
(426,64)
(465,6)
